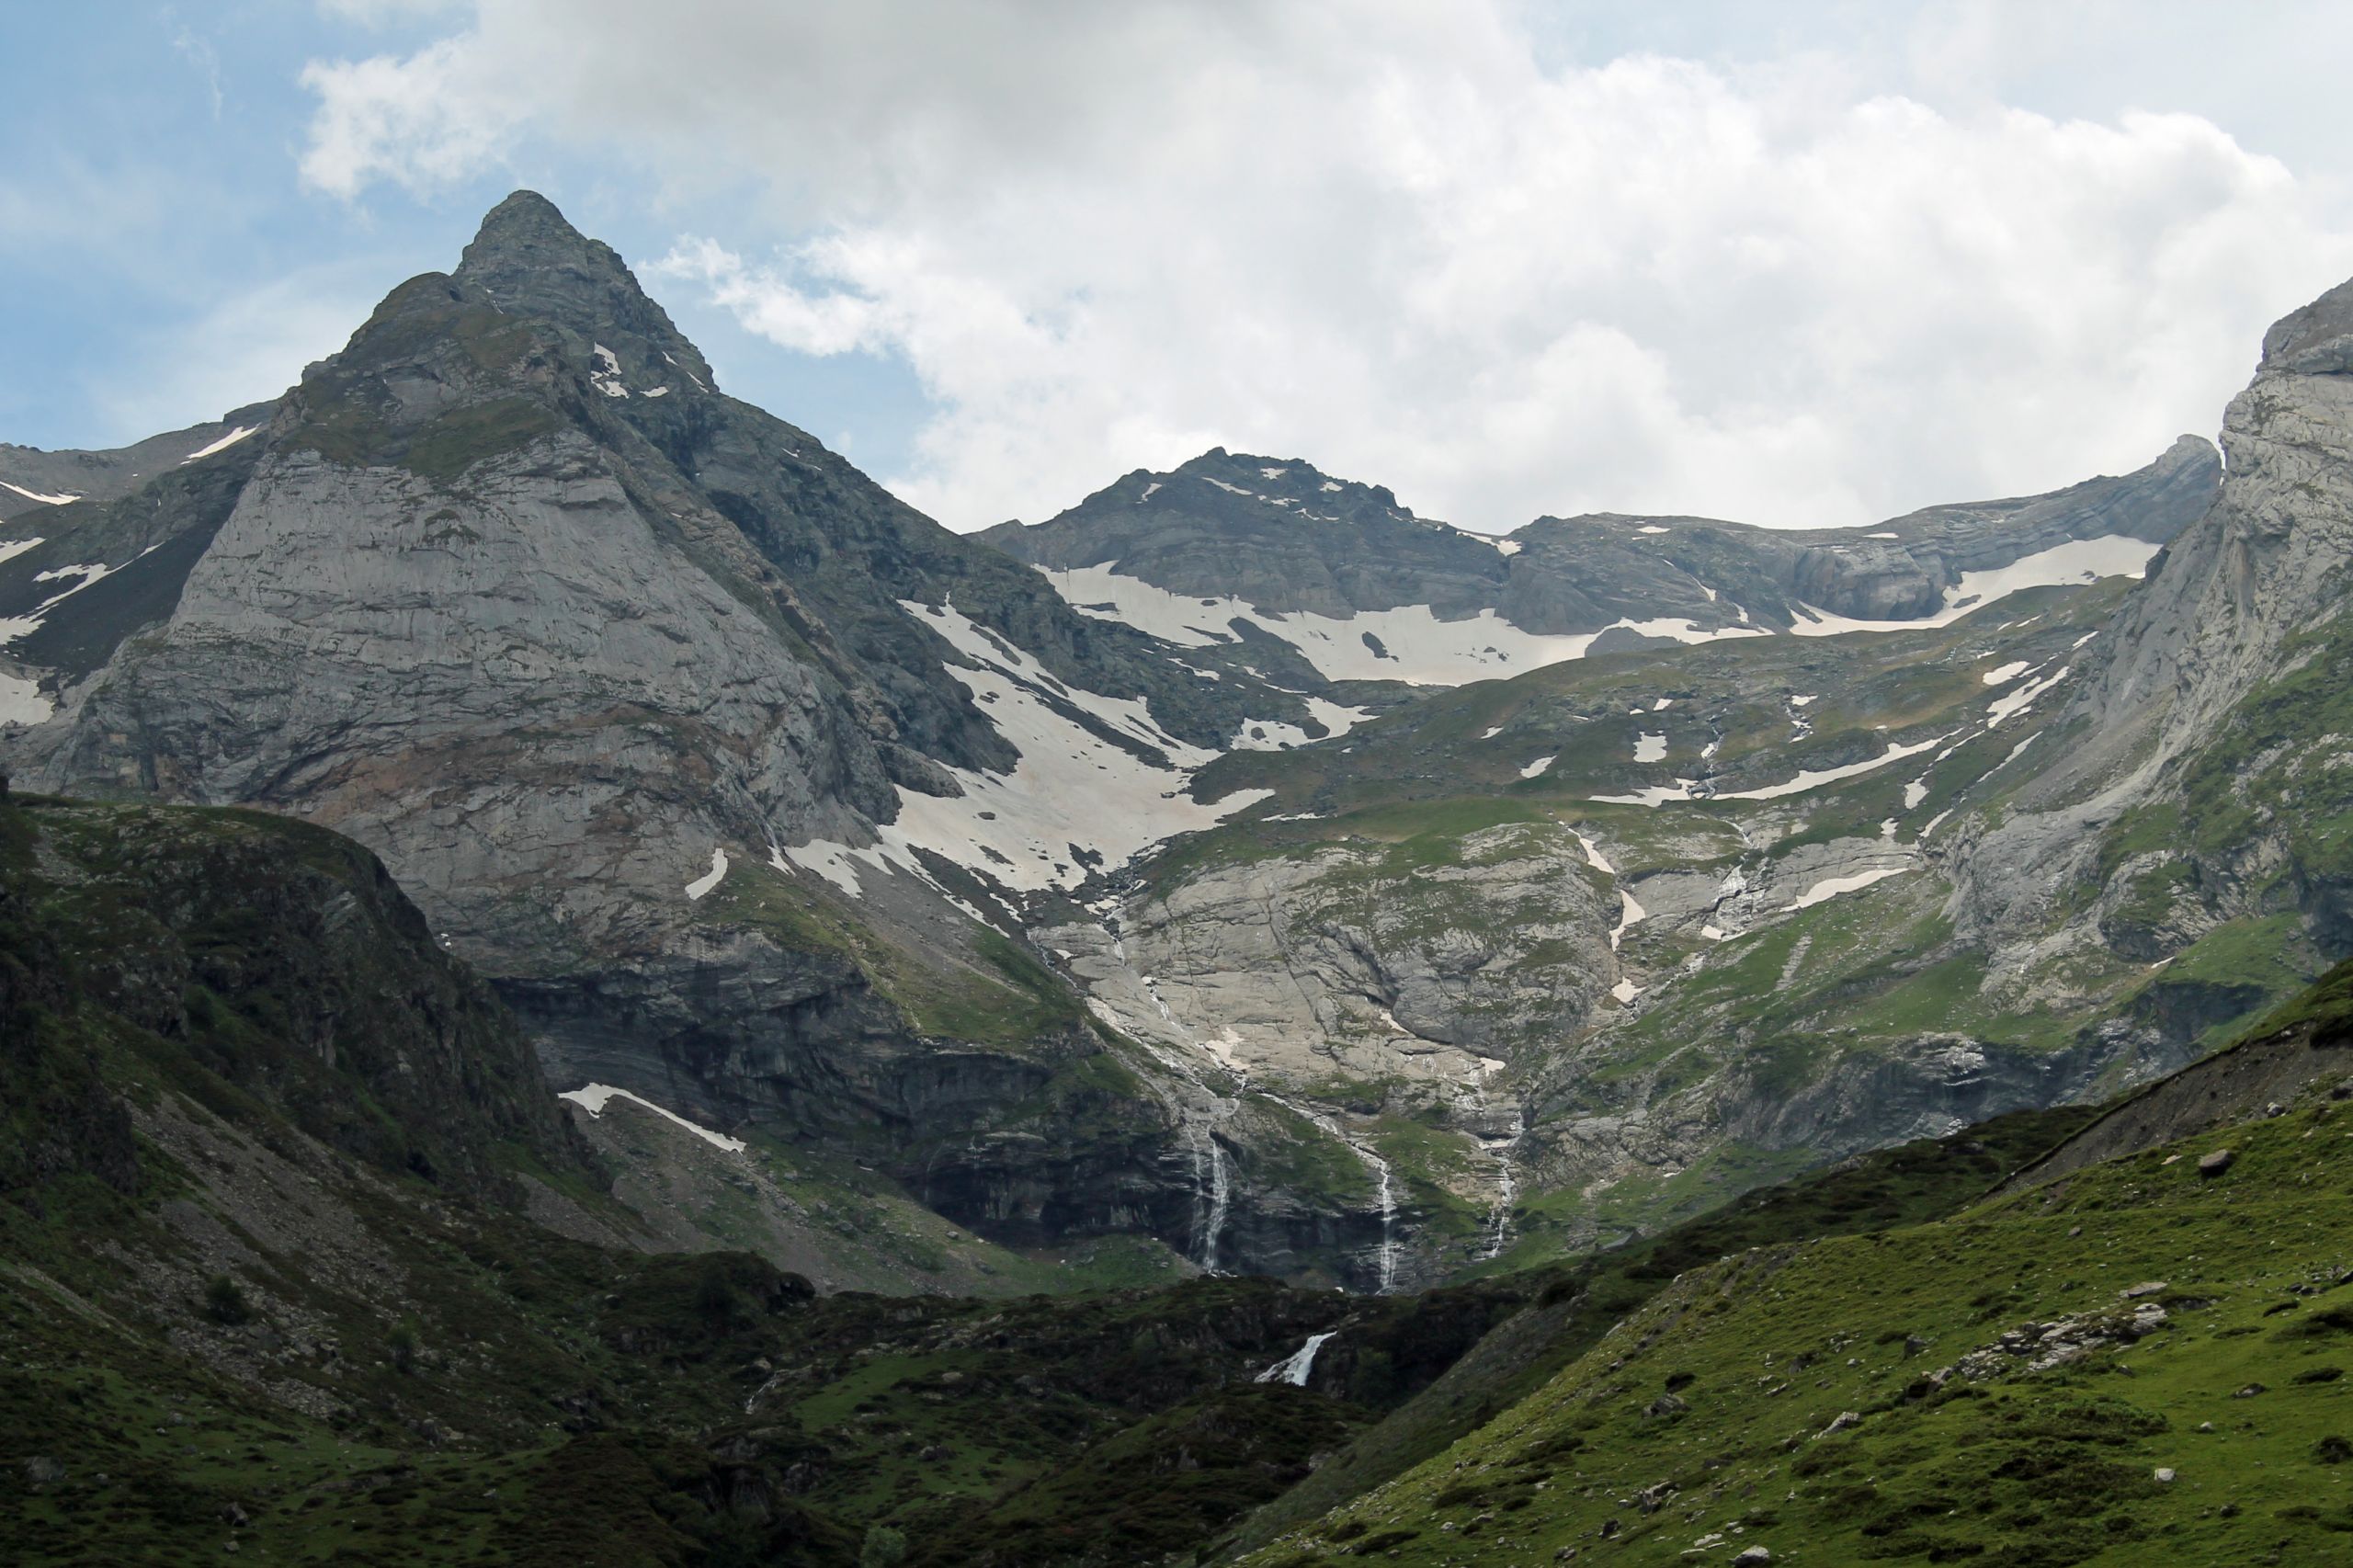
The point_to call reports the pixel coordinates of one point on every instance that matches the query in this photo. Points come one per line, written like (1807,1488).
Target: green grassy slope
(2143,1358)
(1580,1300)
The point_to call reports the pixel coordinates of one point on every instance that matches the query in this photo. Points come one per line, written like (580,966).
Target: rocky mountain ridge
(1231,544)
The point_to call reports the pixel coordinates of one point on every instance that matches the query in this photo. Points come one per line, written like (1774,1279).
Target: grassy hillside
(2143,1358)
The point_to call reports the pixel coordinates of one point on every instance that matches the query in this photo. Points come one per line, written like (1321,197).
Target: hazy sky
(1790,263)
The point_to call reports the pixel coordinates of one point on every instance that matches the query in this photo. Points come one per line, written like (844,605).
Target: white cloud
(251,345)
(1392,239)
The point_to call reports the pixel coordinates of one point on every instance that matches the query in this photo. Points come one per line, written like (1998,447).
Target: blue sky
(161,261)
(1800,263)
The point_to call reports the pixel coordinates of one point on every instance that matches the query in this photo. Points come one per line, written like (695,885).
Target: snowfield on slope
(1071,790)
(1415,647)
(1410,644)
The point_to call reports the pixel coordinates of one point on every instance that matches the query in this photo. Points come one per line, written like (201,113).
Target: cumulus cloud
(1400,241)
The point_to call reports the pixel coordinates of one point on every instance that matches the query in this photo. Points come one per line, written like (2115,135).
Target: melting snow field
(22,701)
(2077,560)
(1829,887)
(1811,779)
(1536,767)
(1069,786)
(223,445)
(2011,704)
(60,499)
(1270,734)
(1814,778)
(1420,649)
(1650,748)
(712,878)
(594,1098)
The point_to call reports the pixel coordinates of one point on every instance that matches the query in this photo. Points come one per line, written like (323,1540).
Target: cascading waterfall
(1387,1265)
(1211,1198)
(1212,1178)
(1293,1369)
(1212,1183)
(1506,1189)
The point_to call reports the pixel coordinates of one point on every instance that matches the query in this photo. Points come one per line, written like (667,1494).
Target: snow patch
(609,379)
(22,701)
(2010,705)
(1417,647)
(1654,795)
(1650,748)
(2007,673)
(223,445)
(711,878)
(60,499)
(594,1097)
(1537,766)
(1273,734)
(1829,887)
(1814,778)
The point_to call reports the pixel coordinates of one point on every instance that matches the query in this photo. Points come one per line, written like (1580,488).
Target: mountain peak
(529,259)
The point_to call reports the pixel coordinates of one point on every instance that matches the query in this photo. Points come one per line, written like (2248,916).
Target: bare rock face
(1364,965)
(2207,736)
(2268,561)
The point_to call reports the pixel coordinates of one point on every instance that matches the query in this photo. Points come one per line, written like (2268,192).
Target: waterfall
(1507,1182)
(1210,1198)
(1293,1369)
(1379,1169)
(1506,1189)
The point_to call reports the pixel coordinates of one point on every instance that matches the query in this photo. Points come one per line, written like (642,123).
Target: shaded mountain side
(2309,1040)
(278,959)
(121,562)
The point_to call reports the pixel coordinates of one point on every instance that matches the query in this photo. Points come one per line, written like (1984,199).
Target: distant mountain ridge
(1291,550)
